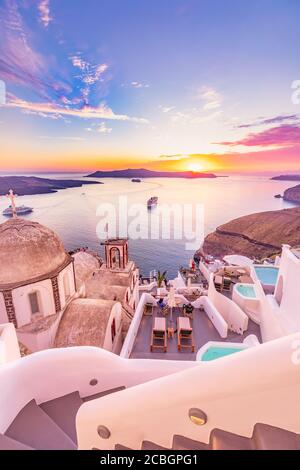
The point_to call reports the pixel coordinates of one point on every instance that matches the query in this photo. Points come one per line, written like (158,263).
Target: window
(34,303)
(113,330)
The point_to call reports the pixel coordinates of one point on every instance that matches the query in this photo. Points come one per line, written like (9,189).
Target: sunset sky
(163,84)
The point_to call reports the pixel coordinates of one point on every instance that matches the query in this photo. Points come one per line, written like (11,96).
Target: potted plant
(161,279)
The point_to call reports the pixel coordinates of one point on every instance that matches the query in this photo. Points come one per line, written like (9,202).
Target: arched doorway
(115,258)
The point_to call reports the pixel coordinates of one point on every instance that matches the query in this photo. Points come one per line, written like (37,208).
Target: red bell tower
(116,253)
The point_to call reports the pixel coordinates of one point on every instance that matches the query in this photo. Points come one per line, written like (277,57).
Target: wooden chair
(159,336)
(185,334)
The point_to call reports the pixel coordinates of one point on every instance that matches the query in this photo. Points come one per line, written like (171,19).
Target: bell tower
(116,253)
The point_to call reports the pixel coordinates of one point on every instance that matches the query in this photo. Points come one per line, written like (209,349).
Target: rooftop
(194,277)
(203,331)
(84,323)
(115,241)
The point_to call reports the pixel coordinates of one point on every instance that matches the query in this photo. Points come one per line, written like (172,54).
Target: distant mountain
(286,178)
(27,185)
(143,173)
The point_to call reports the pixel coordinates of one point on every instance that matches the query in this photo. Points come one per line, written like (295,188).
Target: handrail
(135,324)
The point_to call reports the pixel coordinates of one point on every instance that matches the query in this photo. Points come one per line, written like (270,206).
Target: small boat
(136,180)
(152,202)
(21,210)
(278,196)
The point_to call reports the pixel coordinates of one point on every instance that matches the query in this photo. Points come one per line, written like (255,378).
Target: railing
(213,314)
(147,287)
(135,324)
(234,316)
(259,385)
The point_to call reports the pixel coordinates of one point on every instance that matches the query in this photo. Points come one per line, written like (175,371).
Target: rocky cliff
(256,235)
(292,195)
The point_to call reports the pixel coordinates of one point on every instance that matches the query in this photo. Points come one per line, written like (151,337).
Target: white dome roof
(28,250)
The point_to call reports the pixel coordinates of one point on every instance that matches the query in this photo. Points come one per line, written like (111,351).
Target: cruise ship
(152,202)
(21,210)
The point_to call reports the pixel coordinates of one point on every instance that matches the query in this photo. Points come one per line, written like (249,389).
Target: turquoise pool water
(247,291)
(216,352)
(267,275)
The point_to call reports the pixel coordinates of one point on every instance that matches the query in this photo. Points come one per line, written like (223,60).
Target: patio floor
(203,331)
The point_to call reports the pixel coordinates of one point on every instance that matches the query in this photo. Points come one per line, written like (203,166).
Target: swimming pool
(267,275)
(215,352)
(246,290)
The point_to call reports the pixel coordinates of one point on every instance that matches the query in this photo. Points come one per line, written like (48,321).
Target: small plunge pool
(215,352)
(246,290)
(267,275)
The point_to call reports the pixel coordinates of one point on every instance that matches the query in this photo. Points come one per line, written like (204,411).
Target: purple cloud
(274,120)
(285,135)
(20,63)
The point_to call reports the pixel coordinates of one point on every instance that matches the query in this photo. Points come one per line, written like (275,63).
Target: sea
(75,214)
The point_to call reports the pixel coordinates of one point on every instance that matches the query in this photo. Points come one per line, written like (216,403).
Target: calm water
(72,212)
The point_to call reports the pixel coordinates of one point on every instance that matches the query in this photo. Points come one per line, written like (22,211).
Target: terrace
(192,277)
(203,332)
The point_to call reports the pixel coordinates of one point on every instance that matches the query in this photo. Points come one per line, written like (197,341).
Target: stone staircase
(51,426)
(48,426)
(264,437)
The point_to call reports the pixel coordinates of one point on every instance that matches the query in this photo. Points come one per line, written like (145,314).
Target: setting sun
(195,167)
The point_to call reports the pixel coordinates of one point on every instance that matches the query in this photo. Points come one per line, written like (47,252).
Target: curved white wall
(135,324)
(68,271)
(234,316)
(236,392)
(116,314)
(54,373)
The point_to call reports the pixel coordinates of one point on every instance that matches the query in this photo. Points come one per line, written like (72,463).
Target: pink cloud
(285,135)
(274,120)
(88,112)
(44,10)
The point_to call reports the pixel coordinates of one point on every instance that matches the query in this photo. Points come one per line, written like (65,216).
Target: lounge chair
(159,335)
(185,334)
(218,281)
(227,283)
